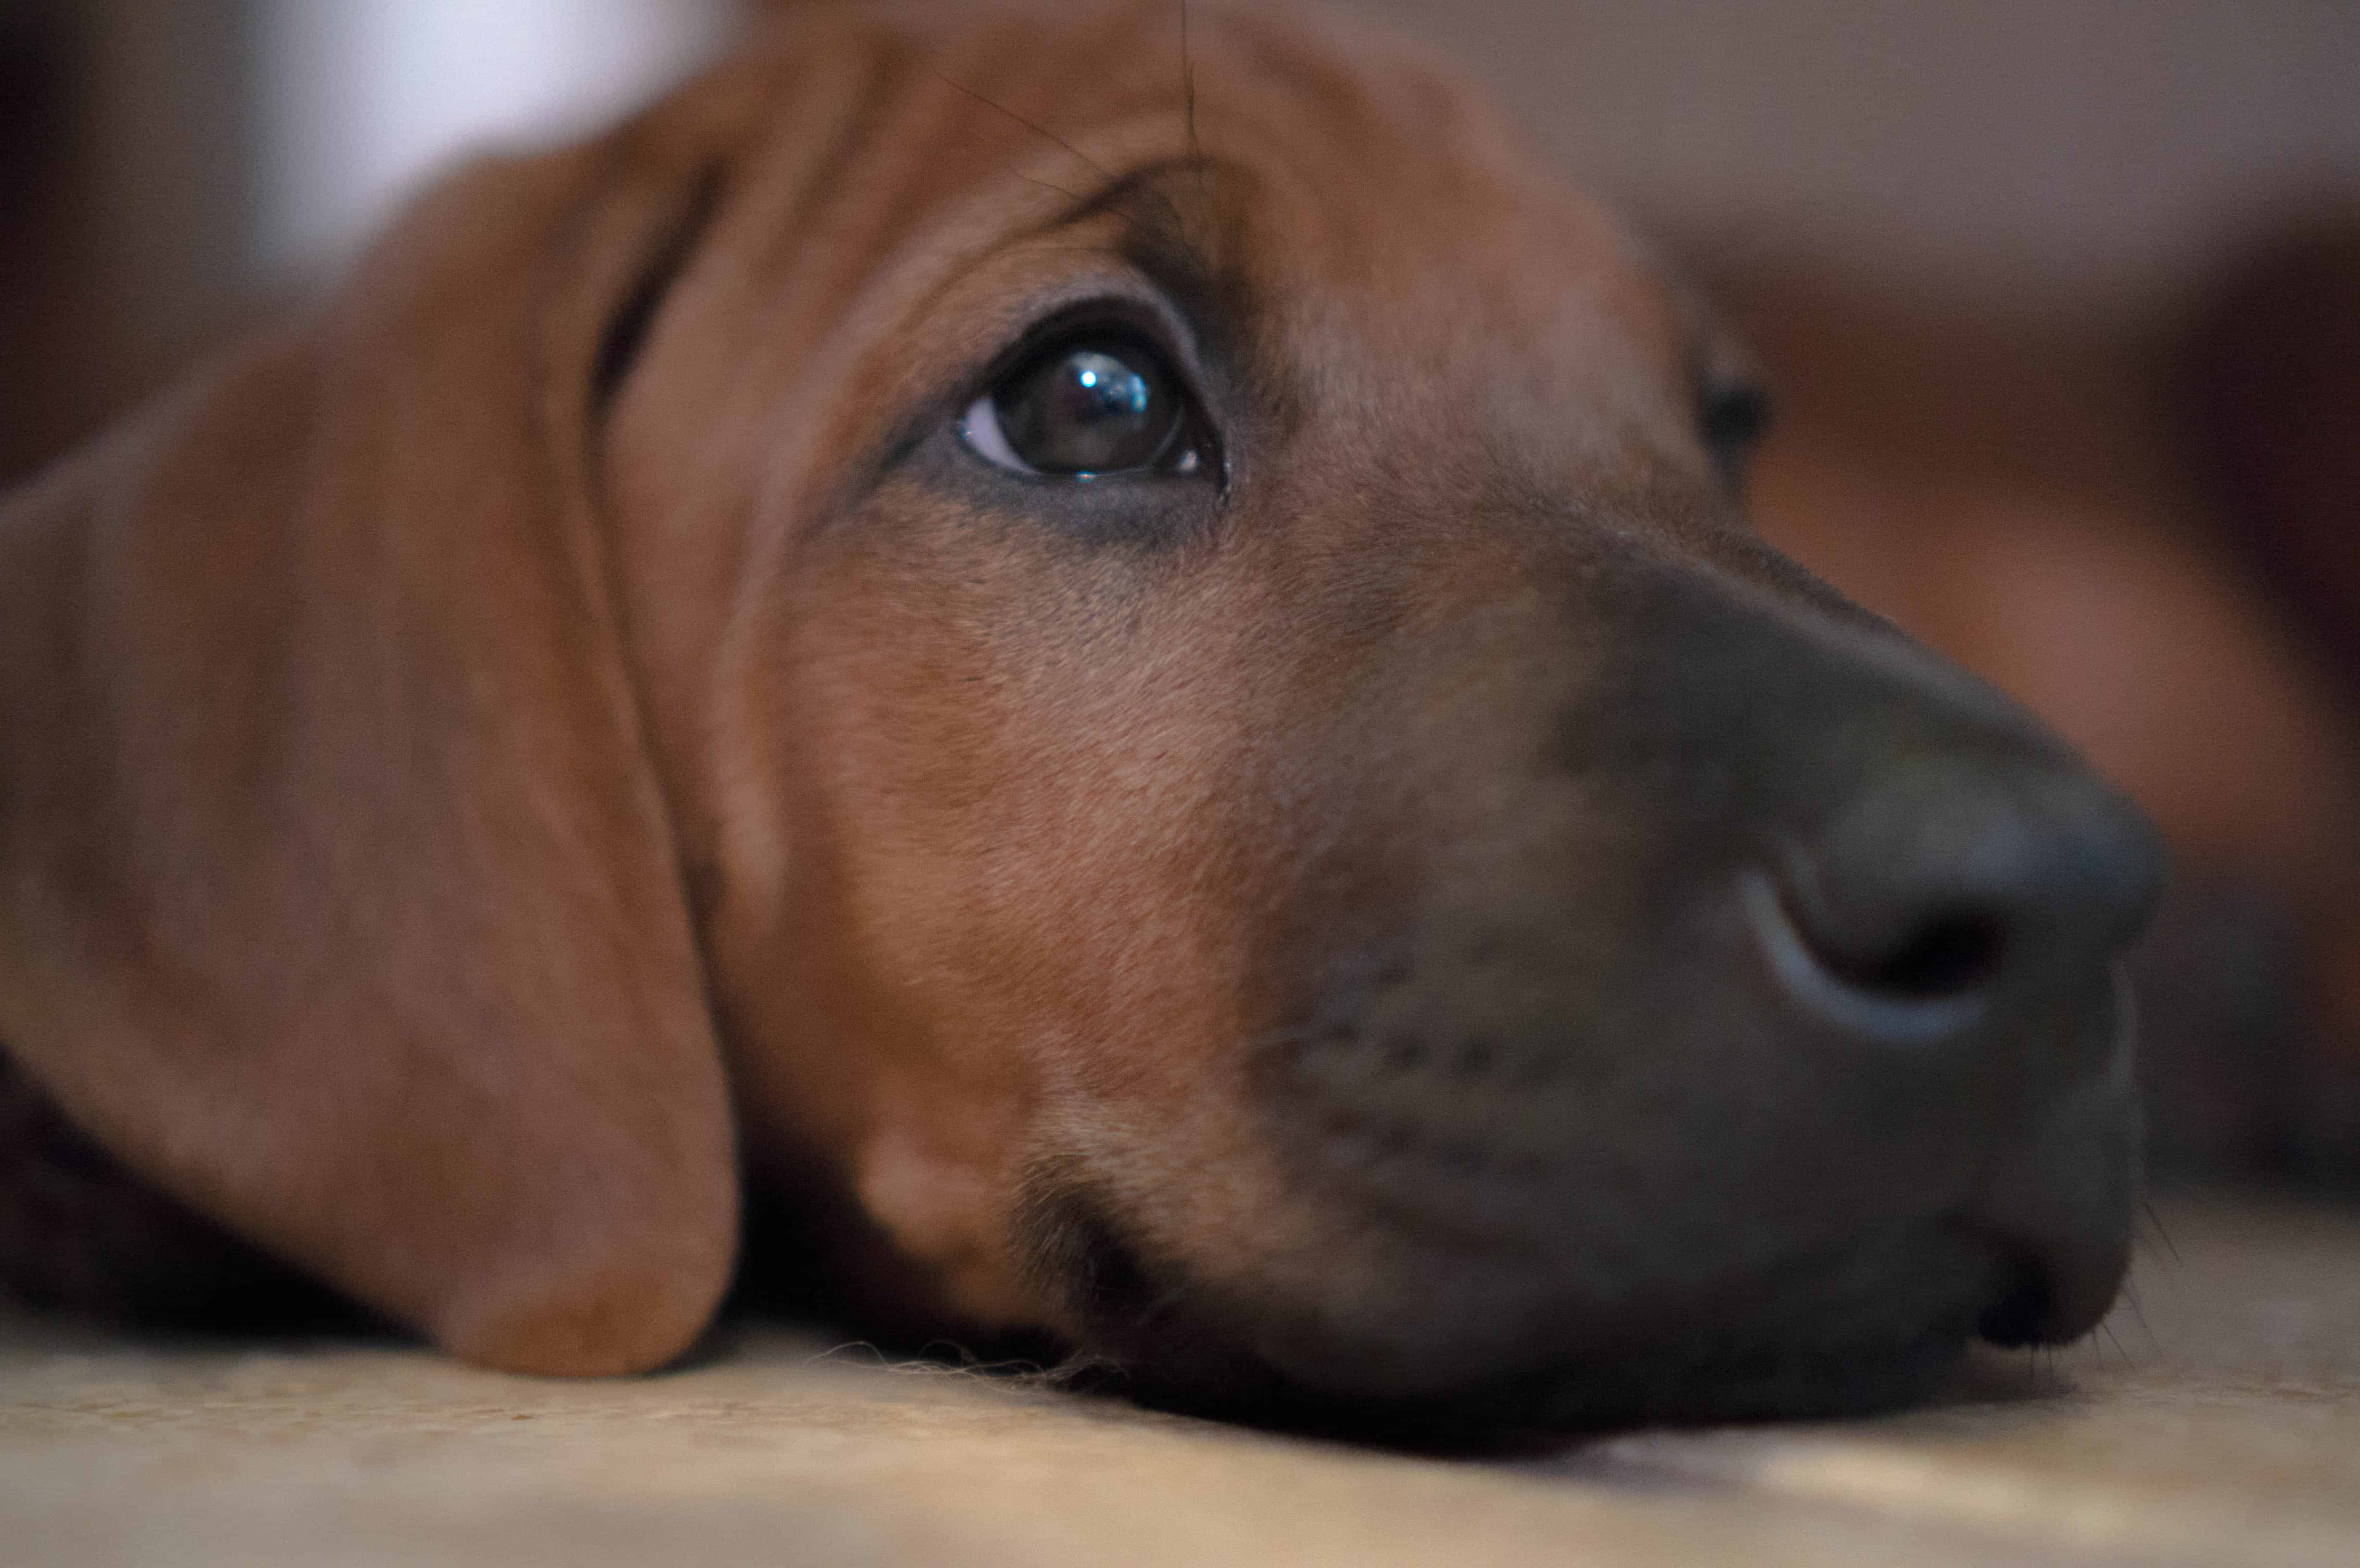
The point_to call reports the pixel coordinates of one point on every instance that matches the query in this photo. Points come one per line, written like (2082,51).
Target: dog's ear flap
(337,894)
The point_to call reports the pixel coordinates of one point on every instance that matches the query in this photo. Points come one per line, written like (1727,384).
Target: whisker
(1188,106)
(1052,185)
(2130,1299)
(1188,82)
(1043,132)
(1179,223)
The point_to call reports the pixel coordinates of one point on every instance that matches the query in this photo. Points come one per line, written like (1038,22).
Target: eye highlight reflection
(1084,408)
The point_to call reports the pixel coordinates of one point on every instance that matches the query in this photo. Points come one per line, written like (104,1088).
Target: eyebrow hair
(1166,233)
(1158,236)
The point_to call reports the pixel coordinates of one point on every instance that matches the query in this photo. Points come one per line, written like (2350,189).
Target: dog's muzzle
(1759,1050)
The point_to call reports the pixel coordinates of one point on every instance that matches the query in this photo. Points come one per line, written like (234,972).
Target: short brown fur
(567,721)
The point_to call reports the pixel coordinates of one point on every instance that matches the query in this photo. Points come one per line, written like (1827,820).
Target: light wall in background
(359,100)
(2078,155)
(1995,152)
(2081,157)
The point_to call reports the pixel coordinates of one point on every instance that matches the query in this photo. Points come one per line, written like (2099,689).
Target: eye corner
(978,427)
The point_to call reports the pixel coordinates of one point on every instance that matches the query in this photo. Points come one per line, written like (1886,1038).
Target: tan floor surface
(2219,1423)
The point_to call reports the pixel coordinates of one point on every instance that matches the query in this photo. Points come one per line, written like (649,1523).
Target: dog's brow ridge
(1162,245)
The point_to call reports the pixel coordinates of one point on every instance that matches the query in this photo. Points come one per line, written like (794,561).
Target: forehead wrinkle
(1158,239)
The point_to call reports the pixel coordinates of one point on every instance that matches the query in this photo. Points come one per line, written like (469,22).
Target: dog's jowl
(1162,720)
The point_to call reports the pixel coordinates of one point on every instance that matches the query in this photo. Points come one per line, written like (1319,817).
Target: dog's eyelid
(1151,323)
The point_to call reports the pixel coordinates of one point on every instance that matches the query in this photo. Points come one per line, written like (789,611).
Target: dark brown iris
(1088,408)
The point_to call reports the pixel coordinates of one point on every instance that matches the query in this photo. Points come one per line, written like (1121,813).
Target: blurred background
(2061,300)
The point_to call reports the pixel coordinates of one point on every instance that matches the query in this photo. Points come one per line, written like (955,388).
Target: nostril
(1943,955)
(1955,886)
(1930,985)
(2025,1311)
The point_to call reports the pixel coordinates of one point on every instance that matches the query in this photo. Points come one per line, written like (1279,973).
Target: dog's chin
(1201,1368)
(1707,1385)
(1467,1350)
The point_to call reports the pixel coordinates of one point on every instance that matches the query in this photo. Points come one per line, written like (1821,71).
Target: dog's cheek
(948,932)
(932,1178)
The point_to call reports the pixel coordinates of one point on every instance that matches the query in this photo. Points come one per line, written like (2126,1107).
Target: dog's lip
(1561,1395)
(1535,1381)
(1523,1331)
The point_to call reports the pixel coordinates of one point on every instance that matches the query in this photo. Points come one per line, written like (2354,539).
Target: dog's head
(1241,793)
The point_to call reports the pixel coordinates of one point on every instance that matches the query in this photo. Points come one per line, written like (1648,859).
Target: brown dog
(1167,719)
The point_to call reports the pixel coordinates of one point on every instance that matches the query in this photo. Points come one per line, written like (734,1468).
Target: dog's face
(1173,731)
(1251,802)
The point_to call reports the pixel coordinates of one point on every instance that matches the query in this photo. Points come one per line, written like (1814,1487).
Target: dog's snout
(1952,886)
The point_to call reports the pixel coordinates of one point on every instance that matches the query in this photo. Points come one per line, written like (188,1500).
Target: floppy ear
(337,894)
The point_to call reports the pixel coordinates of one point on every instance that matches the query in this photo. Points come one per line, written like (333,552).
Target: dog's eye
(1733,415)
(1084,408)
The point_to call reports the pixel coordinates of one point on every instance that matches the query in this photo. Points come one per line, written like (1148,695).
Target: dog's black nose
(1955,886)
(1957,922)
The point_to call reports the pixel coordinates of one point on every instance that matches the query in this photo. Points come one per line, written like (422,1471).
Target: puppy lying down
(1153,707)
